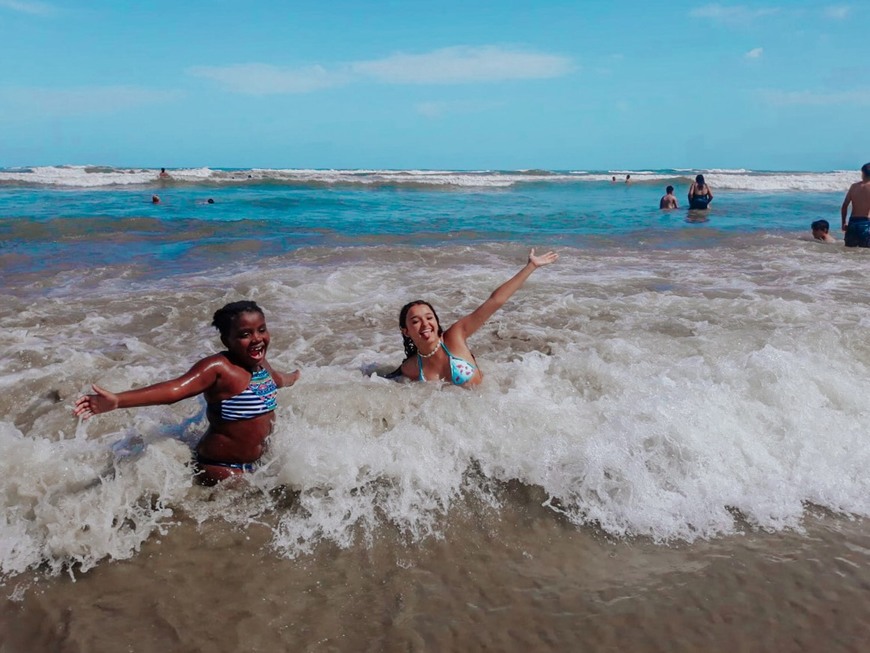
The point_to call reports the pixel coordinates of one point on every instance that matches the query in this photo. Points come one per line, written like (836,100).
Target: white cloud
(754,53)
(859,97)
(438,109)
(837,12)
(463,64)
(732,14)
(455,65)
(28,7)
(264,79)
(83,100)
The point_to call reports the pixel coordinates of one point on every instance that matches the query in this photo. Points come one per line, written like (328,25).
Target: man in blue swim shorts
(858,228)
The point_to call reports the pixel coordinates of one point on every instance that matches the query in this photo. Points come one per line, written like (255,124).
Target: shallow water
(683,400)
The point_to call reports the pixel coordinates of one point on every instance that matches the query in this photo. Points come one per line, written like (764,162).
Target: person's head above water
(225,317)
(820,228)
(415,311)
(699,180)
(865,171)
(669,190)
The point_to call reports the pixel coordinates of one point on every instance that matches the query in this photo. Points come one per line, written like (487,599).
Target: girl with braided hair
(240,389)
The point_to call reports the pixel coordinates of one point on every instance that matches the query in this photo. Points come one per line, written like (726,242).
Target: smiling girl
(434,354)
(239,386)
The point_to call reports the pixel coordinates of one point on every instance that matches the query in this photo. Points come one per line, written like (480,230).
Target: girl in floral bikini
(239,386)
(431,353)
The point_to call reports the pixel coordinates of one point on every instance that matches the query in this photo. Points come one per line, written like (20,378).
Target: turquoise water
(51,228)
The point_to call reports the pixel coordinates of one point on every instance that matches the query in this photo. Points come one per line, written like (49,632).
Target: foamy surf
(669,395)
(100,176)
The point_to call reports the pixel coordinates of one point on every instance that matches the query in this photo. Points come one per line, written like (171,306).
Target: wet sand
(516,578)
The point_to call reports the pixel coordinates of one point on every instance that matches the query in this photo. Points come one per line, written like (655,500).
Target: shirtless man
(668,201)
(858,229)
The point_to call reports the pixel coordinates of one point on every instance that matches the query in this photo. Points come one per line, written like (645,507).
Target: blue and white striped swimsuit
(259,398)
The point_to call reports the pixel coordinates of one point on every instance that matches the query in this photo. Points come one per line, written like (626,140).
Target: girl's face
(248,338)
(421,326)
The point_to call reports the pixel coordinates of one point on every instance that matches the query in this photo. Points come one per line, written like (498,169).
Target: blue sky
(460,85)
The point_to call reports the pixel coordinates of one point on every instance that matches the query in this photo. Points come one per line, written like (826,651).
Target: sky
(471,85)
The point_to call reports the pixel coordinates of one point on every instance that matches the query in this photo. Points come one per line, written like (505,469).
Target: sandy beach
(516,579)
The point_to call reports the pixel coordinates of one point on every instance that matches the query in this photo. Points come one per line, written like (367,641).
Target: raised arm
(471,323)
(196,380)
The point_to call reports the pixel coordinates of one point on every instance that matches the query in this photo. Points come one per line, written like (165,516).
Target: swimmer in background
(163,174)
(240,389)
(858,195)
(433,354)
(627,179)
(820,229)
(700,194)
(155,199)
(668,200)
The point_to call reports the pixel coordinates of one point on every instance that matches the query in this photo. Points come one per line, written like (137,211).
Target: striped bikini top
(259,398)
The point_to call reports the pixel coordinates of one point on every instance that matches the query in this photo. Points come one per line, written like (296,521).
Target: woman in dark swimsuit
(239,386)
(700,194)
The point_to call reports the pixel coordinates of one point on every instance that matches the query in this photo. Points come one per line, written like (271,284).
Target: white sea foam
(722,179)
(651,393)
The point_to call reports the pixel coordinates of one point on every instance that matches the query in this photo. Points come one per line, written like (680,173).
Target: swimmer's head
(209,201)
(410,347)
(865,171)
(224,317)
(669,190)
(155,199)
(820,229)
(699,180)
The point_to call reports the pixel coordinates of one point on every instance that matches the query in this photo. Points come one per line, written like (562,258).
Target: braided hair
(223,317)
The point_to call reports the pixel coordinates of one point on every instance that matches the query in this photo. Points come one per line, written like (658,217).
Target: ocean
(668,452)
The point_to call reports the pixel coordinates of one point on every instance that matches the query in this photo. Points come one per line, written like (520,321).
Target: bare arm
(844,209)
(196,380)
(471,323)
(283,379)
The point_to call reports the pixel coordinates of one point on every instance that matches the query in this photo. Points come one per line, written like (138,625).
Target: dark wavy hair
(223,317)
(410,347)
(700,180)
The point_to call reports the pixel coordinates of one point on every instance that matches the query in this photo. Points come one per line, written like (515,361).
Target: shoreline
(513,579)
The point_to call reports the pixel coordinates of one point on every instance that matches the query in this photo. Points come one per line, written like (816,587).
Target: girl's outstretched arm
(196,380)
(283,379)
(471,323)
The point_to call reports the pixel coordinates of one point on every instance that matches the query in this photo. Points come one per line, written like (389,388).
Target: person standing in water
(240,389)
(700,194)
(433,354)
(858,228)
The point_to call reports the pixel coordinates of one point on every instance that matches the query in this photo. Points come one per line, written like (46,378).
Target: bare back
(859,196)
